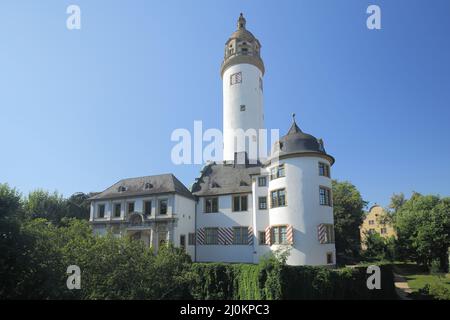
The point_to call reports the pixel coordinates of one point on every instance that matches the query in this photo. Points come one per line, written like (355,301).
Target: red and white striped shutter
(250,236)
(290,234)
(228,236)
(221,236)
(200,236)
(322,233)
(268,236)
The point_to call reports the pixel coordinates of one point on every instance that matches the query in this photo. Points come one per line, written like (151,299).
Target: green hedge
(272,281)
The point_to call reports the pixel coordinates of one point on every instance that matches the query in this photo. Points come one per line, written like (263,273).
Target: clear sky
(82,109)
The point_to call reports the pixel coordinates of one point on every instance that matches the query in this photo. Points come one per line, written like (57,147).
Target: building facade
(376,221)
(246,206)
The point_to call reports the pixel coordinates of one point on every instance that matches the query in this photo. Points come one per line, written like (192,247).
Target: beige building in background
(376,222)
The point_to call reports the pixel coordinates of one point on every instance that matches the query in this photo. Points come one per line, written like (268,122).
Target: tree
(78,206)
(42,204)
(397,201)
(348,211)
(423,227)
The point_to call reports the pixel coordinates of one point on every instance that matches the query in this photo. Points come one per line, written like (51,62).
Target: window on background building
(324,169)
(115,229)
(148,207)
(117,210)
(278,198)
(262,181)
(130,208)
(262,203)
(191,239)
(277,172)
(212,236)
(211,205)
(242,107)
(383,231)
(240,235)
(261,238)
(182,241)
(163,206)
(325,196)
(371,231)
(371,222)
(101,211)
(236,78)
(330,259)
(240,203)
(162,238)
(279,235)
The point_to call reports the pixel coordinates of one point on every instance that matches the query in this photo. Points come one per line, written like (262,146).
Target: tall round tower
(242,74)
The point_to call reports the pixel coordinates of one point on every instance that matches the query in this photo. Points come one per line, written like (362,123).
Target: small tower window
(260,84)
(236,78)
(242,107)
(148,185)
(122,189)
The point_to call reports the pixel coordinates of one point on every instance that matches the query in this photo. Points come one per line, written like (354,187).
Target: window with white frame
(262,203)
(117,210)
(163,206)
(236,78)
(101,211)
(277,172)
(324,169)
(211,205)
(279,235)
(262,181)
(191,239)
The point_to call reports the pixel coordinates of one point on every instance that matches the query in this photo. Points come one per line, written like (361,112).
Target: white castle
(244,207)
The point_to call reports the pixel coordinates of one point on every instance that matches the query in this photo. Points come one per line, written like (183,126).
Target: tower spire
(241,22)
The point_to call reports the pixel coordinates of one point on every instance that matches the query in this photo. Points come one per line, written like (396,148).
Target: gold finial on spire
(241,22)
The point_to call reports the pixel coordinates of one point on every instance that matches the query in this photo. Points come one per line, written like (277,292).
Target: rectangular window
(262,203)
(278,198)
(148,207)
(261,83)
(211,236)
(191,239)
(329,229)
(324,169)
(163,206)
(240,235)
(383,231)
(330,258)
(277,172)
(211,205)
(242,107)
(182,241)
(262,181)
(240,203)
(101,211)
(279,235)
(130,208)
(262,238)
(371,222)
(325,196)
(117,210)
(236,78)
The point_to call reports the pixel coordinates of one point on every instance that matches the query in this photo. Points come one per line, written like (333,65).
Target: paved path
(401,287)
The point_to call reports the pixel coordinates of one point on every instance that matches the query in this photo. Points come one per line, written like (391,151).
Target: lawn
(417,278)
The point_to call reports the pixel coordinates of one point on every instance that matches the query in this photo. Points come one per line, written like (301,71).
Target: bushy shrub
(435,291)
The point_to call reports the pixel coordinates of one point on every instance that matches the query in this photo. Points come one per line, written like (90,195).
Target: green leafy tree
(348,211)
(42,204)
(423,227)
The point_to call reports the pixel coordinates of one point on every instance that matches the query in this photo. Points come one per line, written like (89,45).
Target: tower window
(261,84)
(325,196)
(278,198)
(242,107)
(236,78)
(324,169)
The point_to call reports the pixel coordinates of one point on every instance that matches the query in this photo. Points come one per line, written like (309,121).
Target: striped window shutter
(290,234)
(268,236)
(250,236)
(200,236)
(322,233)
(225,236)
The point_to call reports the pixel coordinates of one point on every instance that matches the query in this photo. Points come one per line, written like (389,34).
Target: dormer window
(148,185)
(243,184)
(215,185)
(122,189)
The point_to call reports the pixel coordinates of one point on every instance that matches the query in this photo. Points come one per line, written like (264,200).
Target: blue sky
(80,110)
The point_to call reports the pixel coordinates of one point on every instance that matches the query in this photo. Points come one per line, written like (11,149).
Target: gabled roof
(144,186)
(220,178)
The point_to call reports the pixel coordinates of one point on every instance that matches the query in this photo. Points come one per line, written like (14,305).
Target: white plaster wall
(303,210)
(224,218)
(185,212)
(247,93)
